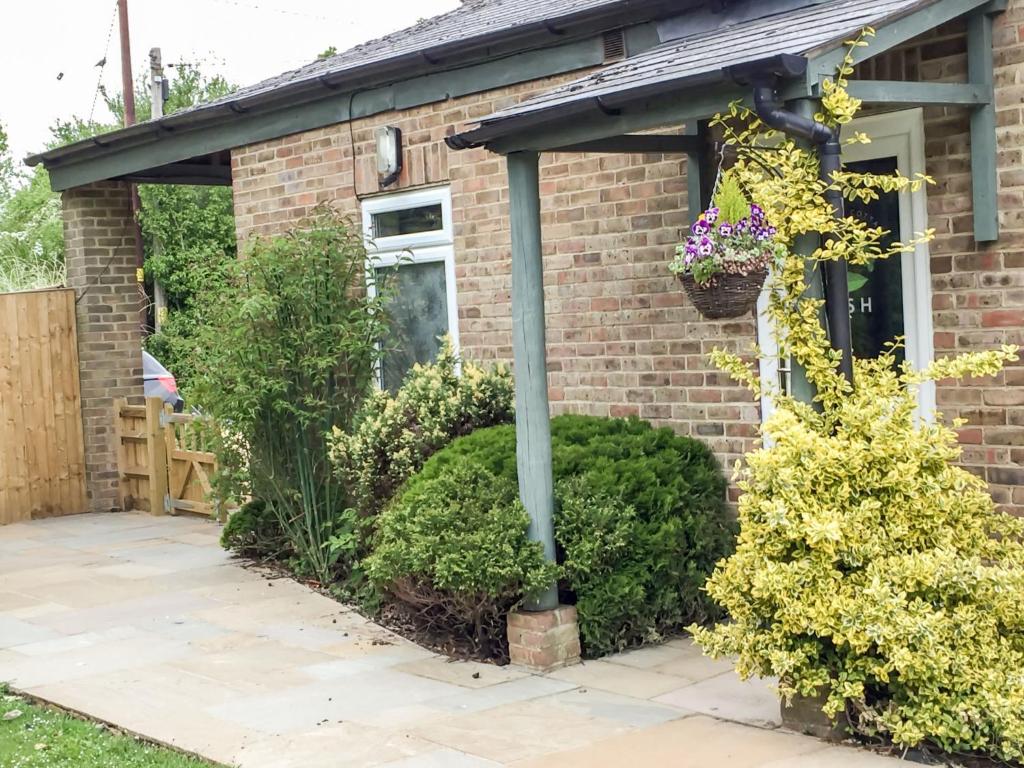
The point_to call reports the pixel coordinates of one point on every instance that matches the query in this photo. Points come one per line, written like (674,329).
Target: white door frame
(899,135)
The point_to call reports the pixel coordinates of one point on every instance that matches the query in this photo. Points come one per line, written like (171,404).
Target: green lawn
(41,737)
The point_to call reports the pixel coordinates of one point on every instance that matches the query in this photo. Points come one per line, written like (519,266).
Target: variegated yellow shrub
(393,434)
(869,567)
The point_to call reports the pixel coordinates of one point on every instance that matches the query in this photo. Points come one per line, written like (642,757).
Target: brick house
(945,88)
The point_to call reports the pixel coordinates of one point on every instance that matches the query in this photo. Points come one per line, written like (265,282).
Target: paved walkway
(145,623)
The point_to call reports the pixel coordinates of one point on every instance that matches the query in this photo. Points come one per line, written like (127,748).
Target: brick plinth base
(544,640)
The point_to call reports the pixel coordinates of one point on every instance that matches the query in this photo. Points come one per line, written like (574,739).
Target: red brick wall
(978,289)
(99,242)
(622,339)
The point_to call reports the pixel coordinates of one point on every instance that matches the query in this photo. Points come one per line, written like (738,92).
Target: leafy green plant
(658,492)
(733,206)
(254,531)
(870,570)
(394,434)
(453,551)
(287,352)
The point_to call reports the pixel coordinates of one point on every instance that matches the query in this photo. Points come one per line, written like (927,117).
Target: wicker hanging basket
(728,296)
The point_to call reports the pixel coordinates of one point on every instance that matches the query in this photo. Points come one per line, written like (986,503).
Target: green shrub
(393,435)
(254,531)
(641,524)
(287,352)
(453,551)
(871,570)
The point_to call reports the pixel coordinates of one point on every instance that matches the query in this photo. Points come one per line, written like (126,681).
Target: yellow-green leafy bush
(869,568)
(394,434)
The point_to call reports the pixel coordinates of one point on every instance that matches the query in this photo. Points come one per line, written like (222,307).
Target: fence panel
(42,458)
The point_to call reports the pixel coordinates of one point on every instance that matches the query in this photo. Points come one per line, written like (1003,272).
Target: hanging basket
(728,296)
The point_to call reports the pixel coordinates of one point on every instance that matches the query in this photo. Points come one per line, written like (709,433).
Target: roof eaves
(536,35)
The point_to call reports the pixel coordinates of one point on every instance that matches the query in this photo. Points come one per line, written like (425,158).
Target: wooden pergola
(685,82)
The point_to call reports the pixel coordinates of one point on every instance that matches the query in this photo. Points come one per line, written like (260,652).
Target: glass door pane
(419,317)
(876,289)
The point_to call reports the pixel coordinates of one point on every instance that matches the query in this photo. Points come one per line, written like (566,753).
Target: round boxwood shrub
(640,520)
(255,531)
(453,552)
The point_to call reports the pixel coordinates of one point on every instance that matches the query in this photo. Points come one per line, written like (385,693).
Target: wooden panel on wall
(42,461)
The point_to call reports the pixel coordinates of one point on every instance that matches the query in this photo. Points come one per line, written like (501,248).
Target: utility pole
(128,95)
(127,89)
(156,97)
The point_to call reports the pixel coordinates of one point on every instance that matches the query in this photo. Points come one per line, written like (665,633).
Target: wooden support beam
(587,123)
(806,244)
(533,424)
(984,177)
(888,36)
(201,174)
(156,455)
(659,144)
(697,172)
(911,94)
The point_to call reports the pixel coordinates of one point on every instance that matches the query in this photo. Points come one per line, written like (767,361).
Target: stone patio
(146,623)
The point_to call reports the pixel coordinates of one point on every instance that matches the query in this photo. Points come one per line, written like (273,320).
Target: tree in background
(188,235)
(188,232)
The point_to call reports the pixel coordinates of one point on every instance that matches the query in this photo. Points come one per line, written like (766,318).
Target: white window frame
(417,248)
(899,135)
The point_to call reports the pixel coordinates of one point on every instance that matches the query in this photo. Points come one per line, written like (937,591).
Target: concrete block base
(544,640)
(805,715)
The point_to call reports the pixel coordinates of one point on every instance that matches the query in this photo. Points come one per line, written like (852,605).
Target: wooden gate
(164,468)
(42,460)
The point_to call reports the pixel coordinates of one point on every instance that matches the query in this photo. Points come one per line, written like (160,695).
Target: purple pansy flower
(725,229)
(700,227)
(756,212)
(711,215)
(706,247)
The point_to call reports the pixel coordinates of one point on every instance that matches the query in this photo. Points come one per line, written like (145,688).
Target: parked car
(159,382)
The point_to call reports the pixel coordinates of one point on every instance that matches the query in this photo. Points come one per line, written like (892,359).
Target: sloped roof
(473,19)
(691,59)
(431,44)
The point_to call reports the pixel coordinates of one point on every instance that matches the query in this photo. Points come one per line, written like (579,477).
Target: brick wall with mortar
(99,242)
(977,288)
(622,338)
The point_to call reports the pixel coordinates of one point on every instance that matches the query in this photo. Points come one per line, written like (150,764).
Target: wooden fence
(164,467)
(42,460)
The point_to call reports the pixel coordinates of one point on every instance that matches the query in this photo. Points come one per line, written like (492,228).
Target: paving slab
(693,742)
(725,696)
(146,623)
(637,682)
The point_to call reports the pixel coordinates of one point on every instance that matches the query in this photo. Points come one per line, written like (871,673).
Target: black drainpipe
(764,76)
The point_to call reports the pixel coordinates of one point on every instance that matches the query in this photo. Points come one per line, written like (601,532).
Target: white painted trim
(418,248)
(398,201)
(899,135)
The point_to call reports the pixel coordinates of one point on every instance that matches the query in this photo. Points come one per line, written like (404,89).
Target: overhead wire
(103,62)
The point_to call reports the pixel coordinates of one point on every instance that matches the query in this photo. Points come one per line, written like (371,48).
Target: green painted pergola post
(533,421)
(984,180)
(802,389)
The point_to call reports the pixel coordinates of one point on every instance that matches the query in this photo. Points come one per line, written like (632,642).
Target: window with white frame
(410,242)
(892,297)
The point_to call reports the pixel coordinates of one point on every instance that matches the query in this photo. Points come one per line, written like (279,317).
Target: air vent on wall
(614,46)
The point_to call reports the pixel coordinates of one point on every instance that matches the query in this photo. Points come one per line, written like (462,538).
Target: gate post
(156,450)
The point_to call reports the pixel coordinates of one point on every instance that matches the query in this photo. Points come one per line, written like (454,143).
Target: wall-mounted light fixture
(389,155)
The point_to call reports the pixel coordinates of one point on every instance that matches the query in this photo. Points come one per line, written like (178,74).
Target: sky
(49,48)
